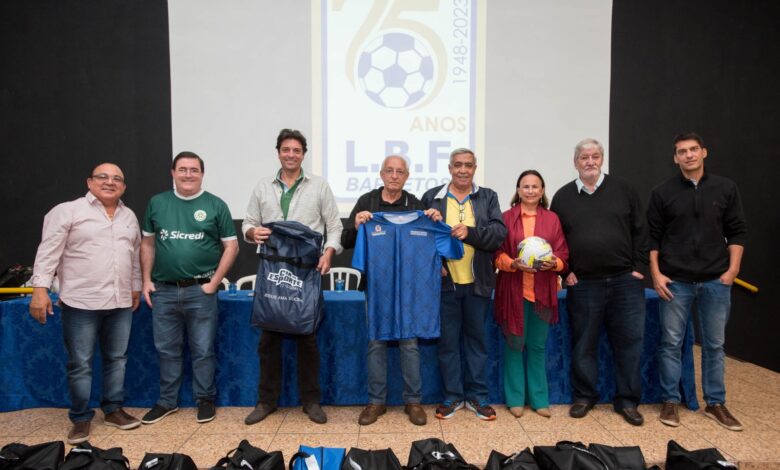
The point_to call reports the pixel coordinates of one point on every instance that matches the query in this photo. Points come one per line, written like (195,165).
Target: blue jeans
(177,309)
(377,371)
(81,328)
(713,301)
(463,315)
(619,304)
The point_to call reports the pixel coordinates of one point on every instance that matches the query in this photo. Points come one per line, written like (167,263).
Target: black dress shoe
(315,412)
(260,412)
(632,416)
(580,409)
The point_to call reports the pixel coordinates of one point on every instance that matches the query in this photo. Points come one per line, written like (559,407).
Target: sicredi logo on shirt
(177,235)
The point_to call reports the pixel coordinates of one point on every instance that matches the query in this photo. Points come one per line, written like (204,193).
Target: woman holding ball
(527,296)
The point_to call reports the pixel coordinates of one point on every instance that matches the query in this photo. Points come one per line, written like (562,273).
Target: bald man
(93,245)
(389,198)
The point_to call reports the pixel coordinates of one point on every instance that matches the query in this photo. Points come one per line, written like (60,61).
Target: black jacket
(372,201)
(691,226)
(486,237)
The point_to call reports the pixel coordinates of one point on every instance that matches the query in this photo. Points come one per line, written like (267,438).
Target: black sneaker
(206,411)
(157,413)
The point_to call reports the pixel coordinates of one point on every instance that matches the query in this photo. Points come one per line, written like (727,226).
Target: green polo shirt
(287,193)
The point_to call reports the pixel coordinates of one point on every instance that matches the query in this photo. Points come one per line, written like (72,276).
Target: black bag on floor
(678,458)
(359,459)
(47,456)
(519,461)
(567,455)
(86,457)
(167,462)
(247,455)
(288,287)
(619,458)
(435,454)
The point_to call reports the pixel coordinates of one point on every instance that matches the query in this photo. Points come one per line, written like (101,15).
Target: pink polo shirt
(97,259)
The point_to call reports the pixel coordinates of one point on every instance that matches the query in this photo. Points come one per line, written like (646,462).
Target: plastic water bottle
(340,285)
(232,289)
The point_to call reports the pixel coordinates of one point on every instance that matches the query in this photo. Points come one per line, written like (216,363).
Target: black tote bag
(173,461)
(519,461)
(567,455)
(678,458)
(247,455)
(87,457)
(619,458)
(46,456)
(359,459)
(435,454)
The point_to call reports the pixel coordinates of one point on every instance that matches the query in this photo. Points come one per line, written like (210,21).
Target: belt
(186,282)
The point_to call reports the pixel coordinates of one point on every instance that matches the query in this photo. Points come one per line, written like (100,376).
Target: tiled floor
(752,392)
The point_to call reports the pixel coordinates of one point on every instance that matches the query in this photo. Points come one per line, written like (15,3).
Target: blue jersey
(400,255)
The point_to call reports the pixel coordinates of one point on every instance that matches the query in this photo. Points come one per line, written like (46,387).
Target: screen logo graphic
(397,77)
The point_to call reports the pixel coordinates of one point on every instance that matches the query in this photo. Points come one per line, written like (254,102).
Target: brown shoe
(722,416)
(79,433)
(120,419)
(370,414)
(669,415)
(517,411)
(416,414)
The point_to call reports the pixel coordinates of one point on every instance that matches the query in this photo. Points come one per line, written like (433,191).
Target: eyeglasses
(191,171)
(461,212)
(103,177)
(391,172)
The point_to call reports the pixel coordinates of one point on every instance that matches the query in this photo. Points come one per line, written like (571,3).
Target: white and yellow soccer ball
(533,251)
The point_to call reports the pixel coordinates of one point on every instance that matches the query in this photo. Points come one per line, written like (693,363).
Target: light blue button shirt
(581,186)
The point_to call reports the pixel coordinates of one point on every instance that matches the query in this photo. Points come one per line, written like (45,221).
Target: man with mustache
(93,245)
(605,228)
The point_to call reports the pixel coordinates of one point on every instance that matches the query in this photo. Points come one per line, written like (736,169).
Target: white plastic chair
(243,280)
(225,283)
(346,274)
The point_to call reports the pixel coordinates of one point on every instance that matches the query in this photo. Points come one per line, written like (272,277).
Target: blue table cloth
(32,359)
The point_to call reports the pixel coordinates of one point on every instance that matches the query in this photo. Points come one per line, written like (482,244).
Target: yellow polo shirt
(457,213)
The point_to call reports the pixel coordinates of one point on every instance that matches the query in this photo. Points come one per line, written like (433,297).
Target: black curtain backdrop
(711,67)
(88,81)
(82,82)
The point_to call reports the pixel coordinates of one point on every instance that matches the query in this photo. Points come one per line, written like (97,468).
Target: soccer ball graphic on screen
(395,70)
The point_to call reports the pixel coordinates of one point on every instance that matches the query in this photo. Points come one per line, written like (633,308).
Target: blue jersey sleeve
(447,245)
(359,255)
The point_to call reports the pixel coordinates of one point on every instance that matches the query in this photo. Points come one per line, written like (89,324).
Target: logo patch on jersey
(418,233)
(378,231)
(177,235)
(200,215)
(285,277)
